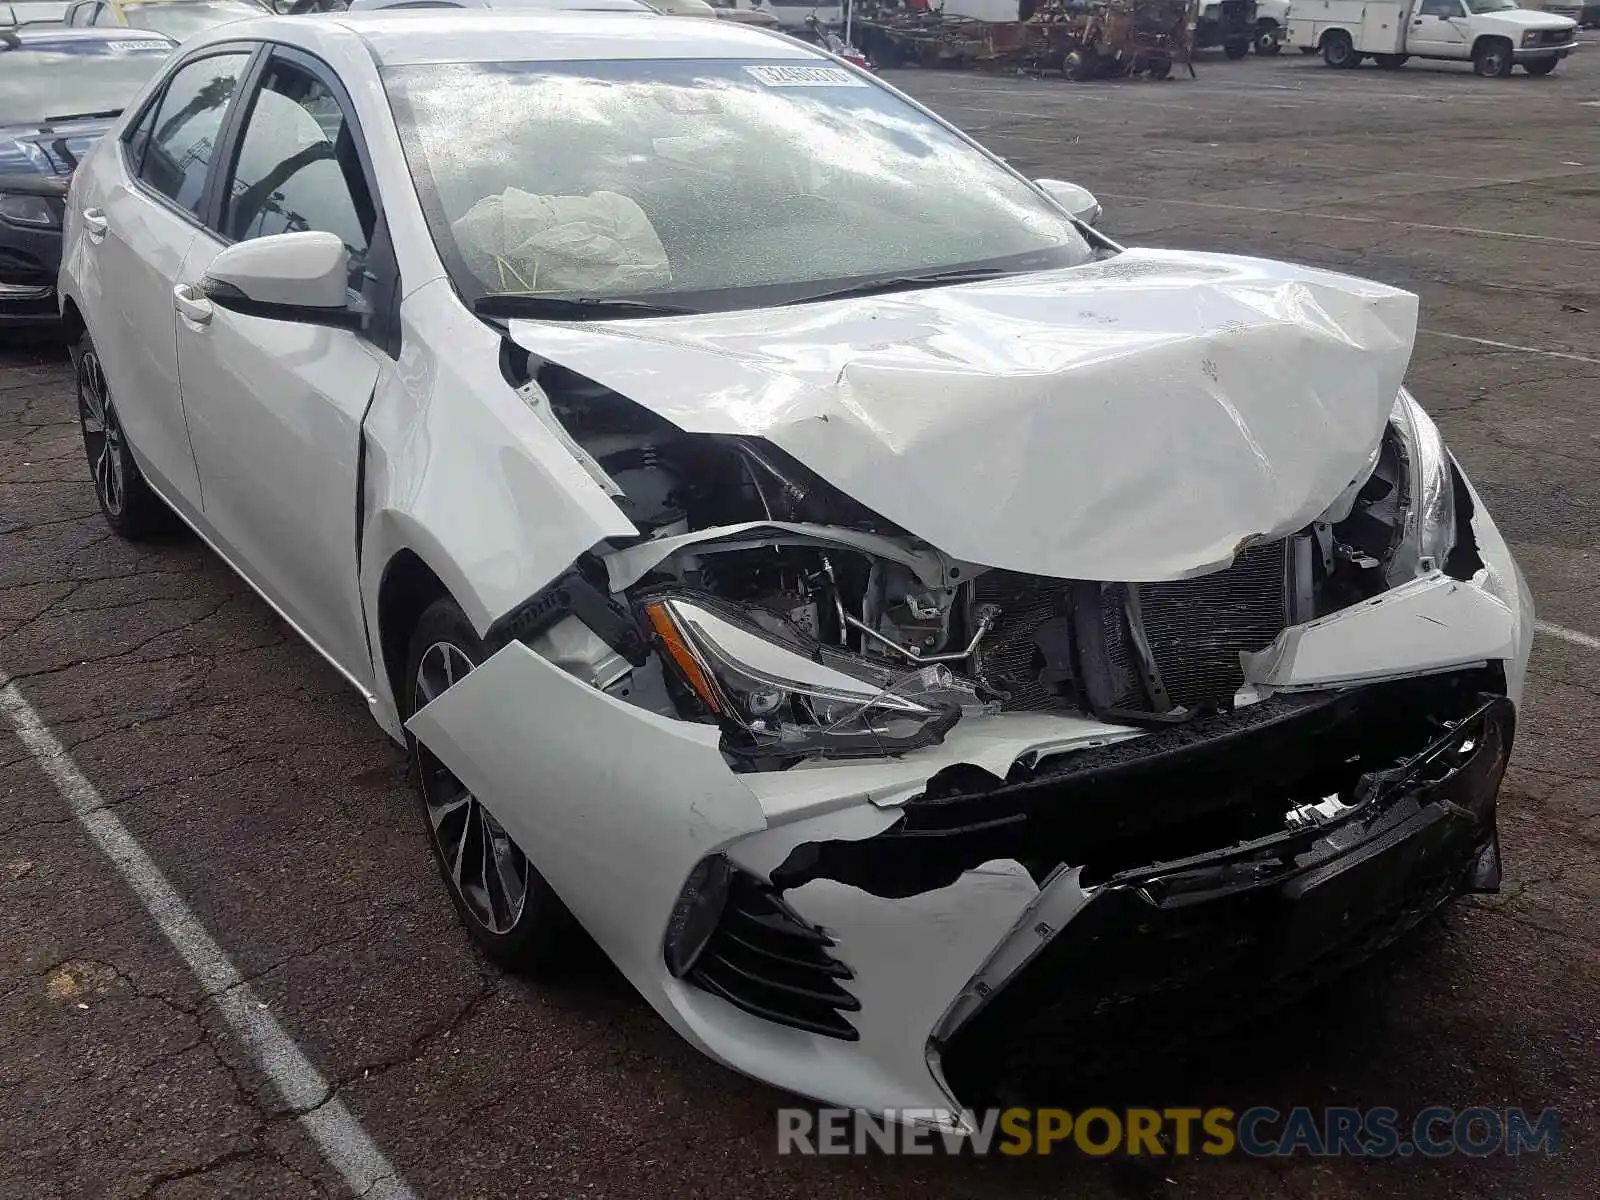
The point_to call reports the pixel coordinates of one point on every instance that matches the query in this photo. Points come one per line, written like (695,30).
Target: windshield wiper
(906,283)
(571,308)
(102,115)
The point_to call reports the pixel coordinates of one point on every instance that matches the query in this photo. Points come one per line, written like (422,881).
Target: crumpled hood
(1135,419)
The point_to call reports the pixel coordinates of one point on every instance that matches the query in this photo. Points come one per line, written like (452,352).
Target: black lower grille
(1069,644)
(765,959)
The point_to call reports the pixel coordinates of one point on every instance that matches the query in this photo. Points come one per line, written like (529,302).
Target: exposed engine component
(752,575)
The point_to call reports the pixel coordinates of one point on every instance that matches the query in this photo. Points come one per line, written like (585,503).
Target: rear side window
(298,167)
(183,134)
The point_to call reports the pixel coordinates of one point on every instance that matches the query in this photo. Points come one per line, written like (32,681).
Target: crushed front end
(907,763)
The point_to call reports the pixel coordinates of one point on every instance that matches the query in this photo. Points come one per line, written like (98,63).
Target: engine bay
(740,543)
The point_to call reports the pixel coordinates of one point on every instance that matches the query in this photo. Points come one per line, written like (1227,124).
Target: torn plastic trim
(627,566)
(1429,624)
(572,595)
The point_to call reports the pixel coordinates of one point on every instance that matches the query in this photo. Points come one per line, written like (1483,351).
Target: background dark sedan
(59,90)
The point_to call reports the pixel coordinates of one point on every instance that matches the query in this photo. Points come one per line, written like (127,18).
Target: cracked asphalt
(255,780)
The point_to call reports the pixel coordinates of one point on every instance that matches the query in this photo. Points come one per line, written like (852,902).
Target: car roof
(59,35)
(449,35)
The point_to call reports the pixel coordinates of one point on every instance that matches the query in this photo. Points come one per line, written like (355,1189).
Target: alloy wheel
(102,434)
(487,869)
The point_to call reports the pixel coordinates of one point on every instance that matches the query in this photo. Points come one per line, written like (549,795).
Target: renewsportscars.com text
(1259,1132)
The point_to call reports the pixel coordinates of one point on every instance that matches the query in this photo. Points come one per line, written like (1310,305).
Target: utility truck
(1493,35)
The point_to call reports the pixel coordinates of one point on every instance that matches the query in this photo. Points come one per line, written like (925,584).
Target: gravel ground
(259,786)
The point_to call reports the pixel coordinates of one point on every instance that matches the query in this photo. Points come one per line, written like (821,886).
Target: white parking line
(1461,337)
(1323,216)
(1567,635)
(324,1116)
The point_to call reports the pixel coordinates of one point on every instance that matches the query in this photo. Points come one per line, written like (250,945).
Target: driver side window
(297,166)
(1440,8)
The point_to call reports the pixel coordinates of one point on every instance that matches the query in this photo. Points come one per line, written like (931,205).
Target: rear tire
(1267,39)
(509,910)
(1339,51)
(1391,62)
(1079,65)
(1237,48)
(129,506)
(1541,66)
(1492,59)
(1161,69)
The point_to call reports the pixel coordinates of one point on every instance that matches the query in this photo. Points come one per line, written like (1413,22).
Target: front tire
(509,910)
(1541,66)
(1080,65)
(1390,62)
(1237,48)
(1492,59)
(129,506)
(1267,39)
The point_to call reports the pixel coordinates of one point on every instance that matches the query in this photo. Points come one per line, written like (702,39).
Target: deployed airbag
(601,243)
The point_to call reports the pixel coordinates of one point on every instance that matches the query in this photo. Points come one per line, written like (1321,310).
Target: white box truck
(1493,35)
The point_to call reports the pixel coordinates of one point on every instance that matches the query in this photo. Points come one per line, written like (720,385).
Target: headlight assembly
(1429,531)
(36,212)
(1399,516)
(777,701)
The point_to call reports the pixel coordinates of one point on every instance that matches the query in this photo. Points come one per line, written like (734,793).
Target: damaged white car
(930,648)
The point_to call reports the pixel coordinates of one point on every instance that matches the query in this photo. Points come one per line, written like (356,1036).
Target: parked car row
(928,646)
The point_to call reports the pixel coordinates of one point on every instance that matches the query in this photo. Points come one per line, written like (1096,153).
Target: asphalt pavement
(280,819)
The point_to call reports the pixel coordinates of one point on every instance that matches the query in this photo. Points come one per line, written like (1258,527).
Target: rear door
(275,407)
(138,226)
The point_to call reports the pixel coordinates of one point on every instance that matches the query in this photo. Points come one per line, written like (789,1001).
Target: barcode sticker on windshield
(136,44)
(805,76)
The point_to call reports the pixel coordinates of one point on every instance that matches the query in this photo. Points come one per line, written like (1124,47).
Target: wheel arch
(1482,39)
(73,326)
(1322,38)
(407,586)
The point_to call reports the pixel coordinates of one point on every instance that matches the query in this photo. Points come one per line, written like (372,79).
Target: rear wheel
(1161,68)
(1339,51)
(1079,65)
(1492,59)
(1390,62)
(1540,66)
(129,506)
(507,907)
(1267,38)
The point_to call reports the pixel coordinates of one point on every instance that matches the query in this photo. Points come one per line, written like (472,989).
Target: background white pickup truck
(1493,35)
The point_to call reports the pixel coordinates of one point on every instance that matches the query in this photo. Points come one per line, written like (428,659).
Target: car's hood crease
(1137,419)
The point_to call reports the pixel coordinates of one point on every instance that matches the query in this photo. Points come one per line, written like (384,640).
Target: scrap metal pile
(1083,39)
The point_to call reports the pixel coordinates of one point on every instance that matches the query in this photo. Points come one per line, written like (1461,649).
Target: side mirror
(1080,202)
(286,277)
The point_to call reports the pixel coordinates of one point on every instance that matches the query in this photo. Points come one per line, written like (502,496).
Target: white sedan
(930,648)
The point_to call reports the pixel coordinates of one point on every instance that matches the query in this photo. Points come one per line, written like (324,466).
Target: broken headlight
(1398,518)
(1428,532)
(776,701)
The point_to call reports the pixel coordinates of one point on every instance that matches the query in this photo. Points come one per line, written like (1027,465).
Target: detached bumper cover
(1161,957)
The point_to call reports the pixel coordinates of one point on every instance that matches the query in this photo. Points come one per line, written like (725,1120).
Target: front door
(275,407)
(1437,28)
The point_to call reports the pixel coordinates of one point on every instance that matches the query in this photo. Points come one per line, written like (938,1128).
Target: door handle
(196,308)
(95,224)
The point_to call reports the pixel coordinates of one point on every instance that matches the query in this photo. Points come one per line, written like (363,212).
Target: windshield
(1488,6)
(706,184)
(22,12)
(54,79)
(182,20)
